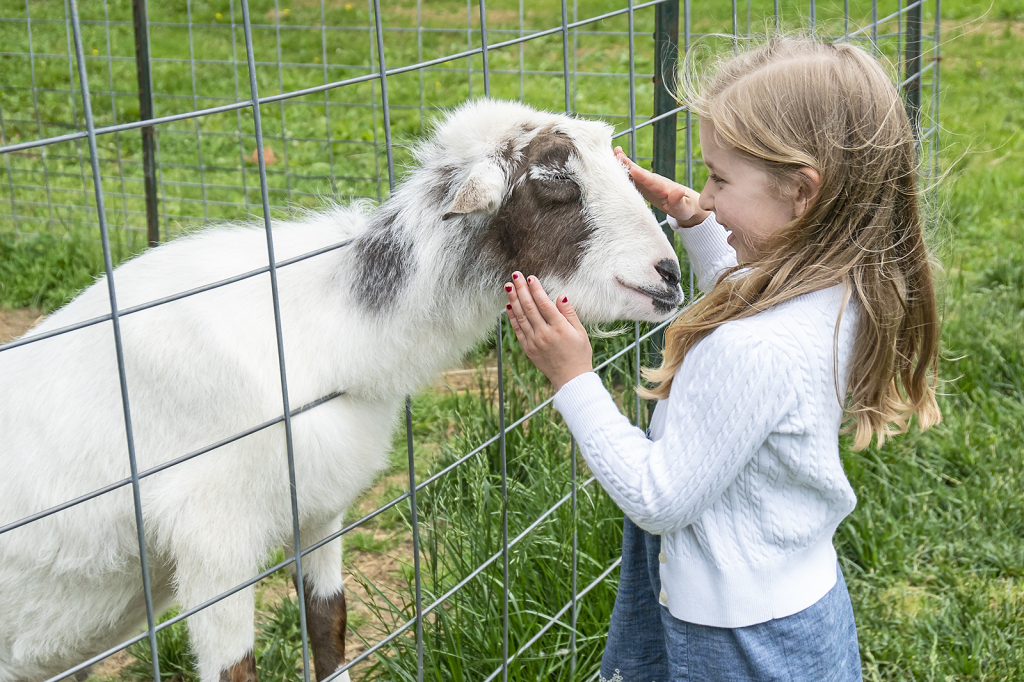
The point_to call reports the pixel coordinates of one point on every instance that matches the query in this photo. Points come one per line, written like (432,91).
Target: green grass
(329,143)
(934,551)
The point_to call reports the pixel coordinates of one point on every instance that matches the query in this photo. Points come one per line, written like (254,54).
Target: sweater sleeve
(707,248)
(731,392)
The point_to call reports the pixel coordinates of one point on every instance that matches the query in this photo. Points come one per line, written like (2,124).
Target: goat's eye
(555,185)
(546,174)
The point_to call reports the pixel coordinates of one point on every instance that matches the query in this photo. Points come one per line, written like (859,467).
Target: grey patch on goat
(383,262)
(508,153)
(542,228)
(442,192)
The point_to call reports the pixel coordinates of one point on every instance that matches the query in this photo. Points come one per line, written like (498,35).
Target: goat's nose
(669,271)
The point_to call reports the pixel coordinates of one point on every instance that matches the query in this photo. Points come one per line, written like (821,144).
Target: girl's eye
(716,179)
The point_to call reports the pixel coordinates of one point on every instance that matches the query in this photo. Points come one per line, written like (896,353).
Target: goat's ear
(481,193)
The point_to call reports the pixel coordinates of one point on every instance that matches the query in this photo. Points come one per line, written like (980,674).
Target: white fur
(206,367)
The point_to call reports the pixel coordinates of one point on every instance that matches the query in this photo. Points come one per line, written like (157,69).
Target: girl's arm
(732,391)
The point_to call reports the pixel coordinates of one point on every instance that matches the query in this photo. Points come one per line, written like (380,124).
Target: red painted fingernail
(565,299)
(529,279)
(508,287)
(508,306)
(515,276)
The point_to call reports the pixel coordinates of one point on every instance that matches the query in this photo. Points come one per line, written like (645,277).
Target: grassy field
(933,554)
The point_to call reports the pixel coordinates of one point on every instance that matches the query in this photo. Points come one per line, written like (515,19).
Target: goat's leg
(326,612)
(221,634)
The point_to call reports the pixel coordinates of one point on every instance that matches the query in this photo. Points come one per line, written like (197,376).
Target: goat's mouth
(665,299)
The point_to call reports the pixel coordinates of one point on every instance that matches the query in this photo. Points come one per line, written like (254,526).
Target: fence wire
(131,122)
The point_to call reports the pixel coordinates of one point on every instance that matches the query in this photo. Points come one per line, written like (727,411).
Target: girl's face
(742,198)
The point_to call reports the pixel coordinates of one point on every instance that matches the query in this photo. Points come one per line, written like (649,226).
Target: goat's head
(543,193)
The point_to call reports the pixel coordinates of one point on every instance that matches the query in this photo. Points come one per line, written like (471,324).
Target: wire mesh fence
(131,123)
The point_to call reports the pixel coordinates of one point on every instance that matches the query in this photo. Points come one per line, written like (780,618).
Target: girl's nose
(706,201)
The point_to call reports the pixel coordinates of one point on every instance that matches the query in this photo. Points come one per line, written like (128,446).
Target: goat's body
(376,319)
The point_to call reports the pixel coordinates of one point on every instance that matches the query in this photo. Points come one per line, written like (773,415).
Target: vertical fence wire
(575,50)
(275,295)
(386,114)
(573,480)
(689,117)
(108,266)
(502,445)
(284,120)
(633,157)
(934,144)
(238,112)
(415,539)
(113,114)
(419,57)
(874,27)
(899,35)
(327,93)
(735,30)
(10,175)
(374,7)
(469,46)
(39,124)
(195,106)
(74,104)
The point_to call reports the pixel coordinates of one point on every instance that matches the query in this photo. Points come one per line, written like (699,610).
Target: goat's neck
(431,284)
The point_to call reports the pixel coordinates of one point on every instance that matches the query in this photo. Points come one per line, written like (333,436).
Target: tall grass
(461,527)
(47,270)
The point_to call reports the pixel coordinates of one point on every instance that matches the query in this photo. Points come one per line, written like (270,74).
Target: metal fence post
(666,54)
(912,67)
(141,25)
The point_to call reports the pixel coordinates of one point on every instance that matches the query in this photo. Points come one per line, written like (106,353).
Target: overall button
(663,597)
(662,558)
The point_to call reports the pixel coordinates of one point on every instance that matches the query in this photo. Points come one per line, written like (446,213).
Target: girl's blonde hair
(797,102)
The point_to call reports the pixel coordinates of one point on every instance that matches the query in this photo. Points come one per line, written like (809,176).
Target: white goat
(498,187)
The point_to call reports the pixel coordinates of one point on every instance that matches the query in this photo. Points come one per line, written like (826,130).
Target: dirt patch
(16,321)
(994,27)
(469,378)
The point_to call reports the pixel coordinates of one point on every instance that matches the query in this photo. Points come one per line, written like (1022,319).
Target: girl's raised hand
(550,333)
(676,200)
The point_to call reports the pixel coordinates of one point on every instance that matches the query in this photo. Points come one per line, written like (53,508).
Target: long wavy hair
(796,102)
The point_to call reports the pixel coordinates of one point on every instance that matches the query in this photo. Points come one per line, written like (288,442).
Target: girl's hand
(676,200)
(550,333)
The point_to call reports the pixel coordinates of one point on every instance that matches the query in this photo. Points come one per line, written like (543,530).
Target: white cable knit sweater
(741,476)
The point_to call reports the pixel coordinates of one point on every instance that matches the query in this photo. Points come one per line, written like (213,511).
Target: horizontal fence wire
(115,181)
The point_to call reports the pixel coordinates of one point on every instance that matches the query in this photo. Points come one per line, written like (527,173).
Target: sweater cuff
(585,405)
(705,241)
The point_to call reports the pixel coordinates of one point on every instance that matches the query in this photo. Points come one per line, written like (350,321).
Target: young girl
(820,309)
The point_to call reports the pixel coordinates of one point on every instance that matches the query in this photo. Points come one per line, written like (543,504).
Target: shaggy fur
(498,186)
